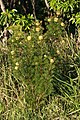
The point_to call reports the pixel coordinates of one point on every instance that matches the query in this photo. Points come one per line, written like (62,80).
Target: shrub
(40,73)
(26,78)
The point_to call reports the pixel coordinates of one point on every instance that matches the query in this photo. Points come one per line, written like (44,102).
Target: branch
(33,5)
(47,5)
(2,6)
(4,40)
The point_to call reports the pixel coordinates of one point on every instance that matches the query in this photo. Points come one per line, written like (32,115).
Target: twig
(2,6)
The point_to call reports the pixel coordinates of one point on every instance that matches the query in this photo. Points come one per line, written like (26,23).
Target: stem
(4,40)
(33,5)
(2,6)
(4,43)
(78,34)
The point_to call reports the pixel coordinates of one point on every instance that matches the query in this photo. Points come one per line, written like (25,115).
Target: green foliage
(29,52)
(13,18)
(67,8)
(27,77)
(64,5)
(7,17)
(40,73)
(76,19)
(65,53)
(66,73)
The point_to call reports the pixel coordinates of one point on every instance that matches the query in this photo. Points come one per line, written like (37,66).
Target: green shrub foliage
(68,9)
(39,71)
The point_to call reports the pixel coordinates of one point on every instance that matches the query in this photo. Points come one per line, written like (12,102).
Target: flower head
(55,19)
(40,37)
(58,52)
(29,38)
(37,23)
(12,52)
(17,38)
(17,64)
(45,56)
(49,19)
(51,60)
(58,13)
(12,40)
(62,24)
(37,29)
(16,67)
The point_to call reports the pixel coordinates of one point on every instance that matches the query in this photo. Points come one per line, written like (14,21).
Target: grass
(13,103)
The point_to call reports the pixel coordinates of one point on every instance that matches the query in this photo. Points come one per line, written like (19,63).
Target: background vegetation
(39,60)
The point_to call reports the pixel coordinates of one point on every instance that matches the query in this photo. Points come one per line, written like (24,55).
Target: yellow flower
(32,45)
(12,52)
(37,29)
(38,42)
(45,56)
(58,52)
(51,60)
(49,20)
(63,41)
(62,24)
(37,23)
(20,43)
(29,38)
(58,13)
(17,64)
(36,63)
(55,19)
(16,67)
(41,22)
(19,34)
(12,40)
(17,38)
(12,56)
(40,37)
